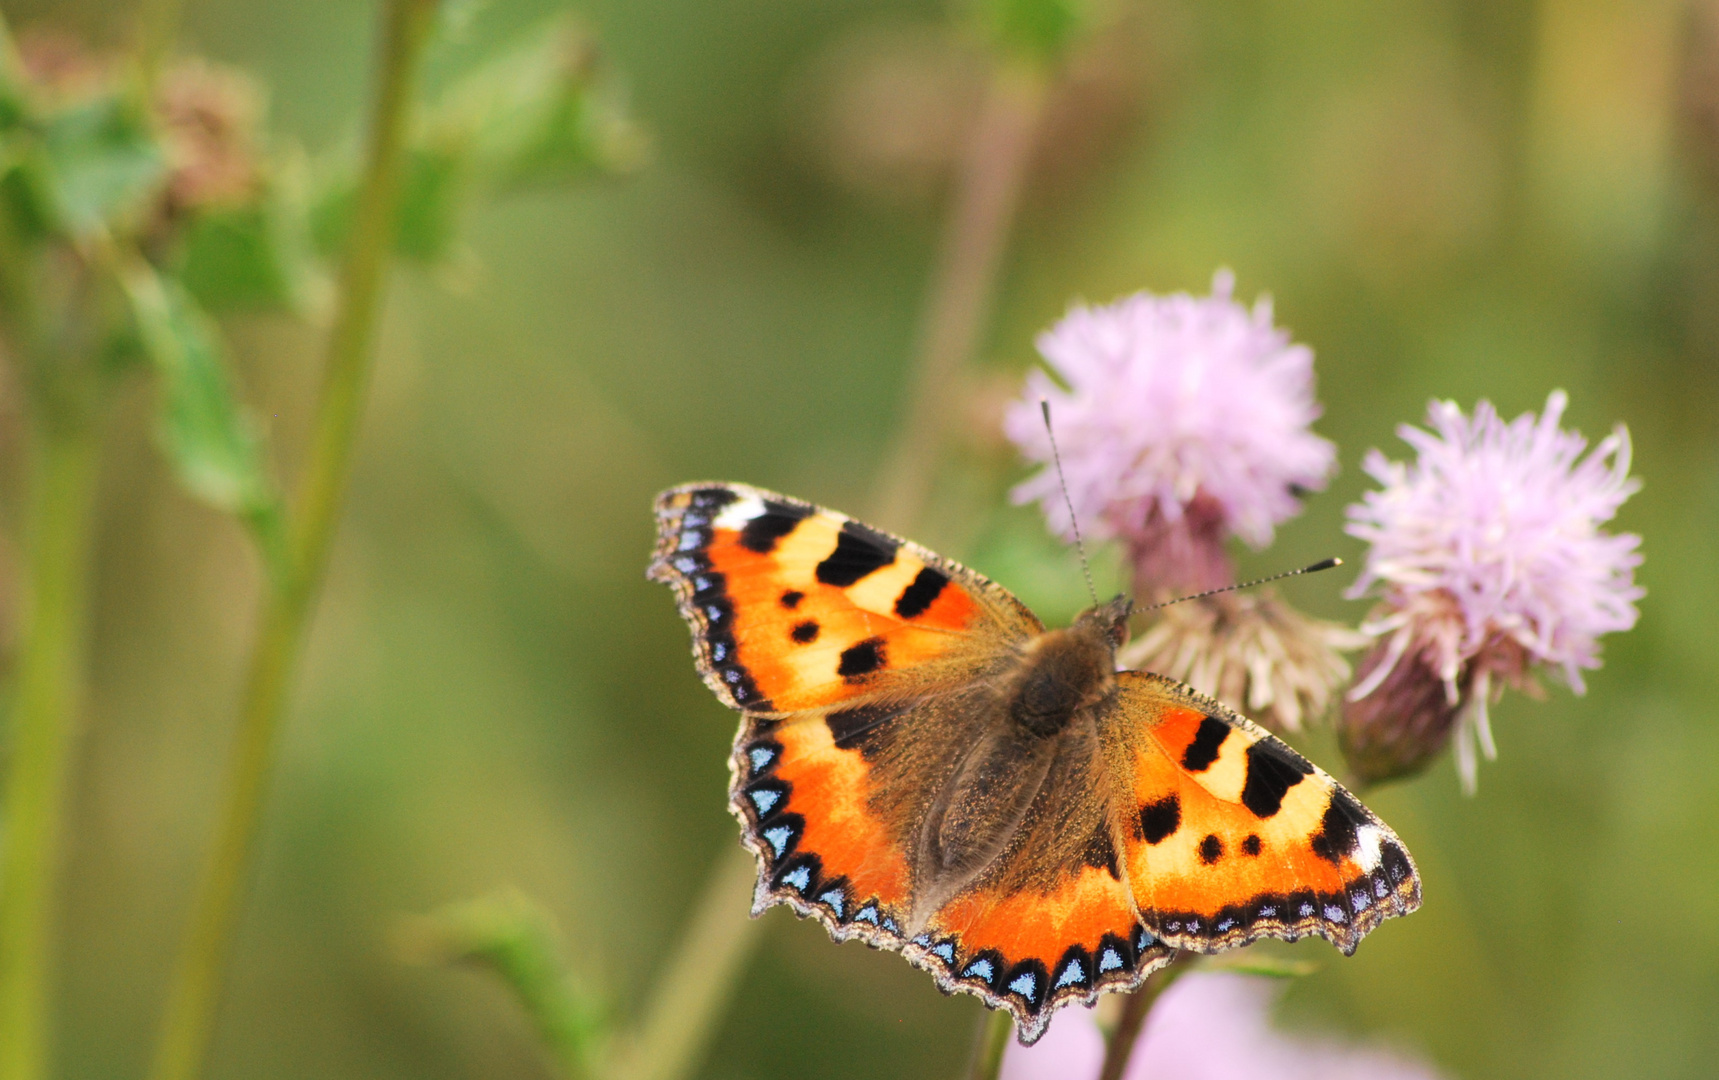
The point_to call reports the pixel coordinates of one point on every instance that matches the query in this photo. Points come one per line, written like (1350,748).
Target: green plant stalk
(995,1027)
(48,694)
(702,973)
(189,1019)
(963,285)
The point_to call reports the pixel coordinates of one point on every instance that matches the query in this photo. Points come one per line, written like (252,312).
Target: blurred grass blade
(513,936)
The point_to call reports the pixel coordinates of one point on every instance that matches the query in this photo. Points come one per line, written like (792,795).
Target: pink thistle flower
(1186,420)
(1490,563)
(1207,1026)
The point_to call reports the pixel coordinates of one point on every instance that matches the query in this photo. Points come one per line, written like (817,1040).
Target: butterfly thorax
(1064,671)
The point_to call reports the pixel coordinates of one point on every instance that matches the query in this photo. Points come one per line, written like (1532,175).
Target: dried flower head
(210,116)
(1208,1026)
(1490,563)
(1251,650)
(1186,420)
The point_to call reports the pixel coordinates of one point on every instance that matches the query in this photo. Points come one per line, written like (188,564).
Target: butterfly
(923,766)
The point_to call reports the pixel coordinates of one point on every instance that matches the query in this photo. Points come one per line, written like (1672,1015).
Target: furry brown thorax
(1064,671)
(1061,673)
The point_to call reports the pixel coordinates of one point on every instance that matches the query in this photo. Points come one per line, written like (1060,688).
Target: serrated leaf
(540,112)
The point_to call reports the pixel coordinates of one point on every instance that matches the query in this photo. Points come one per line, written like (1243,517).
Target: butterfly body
(923,765)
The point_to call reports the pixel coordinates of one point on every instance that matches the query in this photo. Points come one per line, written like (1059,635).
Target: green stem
(189,1020)
(44,720)
(995,1027)
(1136,1007)
(702,972)
(157,26)
(963,285)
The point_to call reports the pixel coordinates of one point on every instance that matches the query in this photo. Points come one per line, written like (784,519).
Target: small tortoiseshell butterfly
(922,765)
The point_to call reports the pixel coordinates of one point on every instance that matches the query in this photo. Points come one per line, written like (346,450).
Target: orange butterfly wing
(1231,836)
(795,607)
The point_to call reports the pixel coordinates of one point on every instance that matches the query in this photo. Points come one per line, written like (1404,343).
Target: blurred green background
(1457,199)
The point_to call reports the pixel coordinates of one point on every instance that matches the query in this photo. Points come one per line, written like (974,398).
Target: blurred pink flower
(1207,1026)
(1186,420)
(1490,562)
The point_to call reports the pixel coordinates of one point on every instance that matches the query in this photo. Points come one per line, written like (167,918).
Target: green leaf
(513,936)
(98,161)
(541,112)
(433,194)
(253,256)
(214,450)
(1040,31)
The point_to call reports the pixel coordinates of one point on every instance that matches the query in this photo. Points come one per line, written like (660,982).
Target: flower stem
(189,1018)
(704,967)
(995,1027)
(157,25)
(1119,1045)
(963,284)
(44,719)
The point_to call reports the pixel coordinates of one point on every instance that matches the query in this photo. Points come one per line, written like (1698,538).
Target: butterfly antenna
(1056,456)
(1322,564)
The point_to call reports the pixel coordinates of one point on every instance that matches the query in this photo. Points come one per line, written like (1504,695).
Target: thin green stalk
(44,723)
(963,285)
(1136,1007)
(995,1027)
(189,1020)
(157,26)
(701,974)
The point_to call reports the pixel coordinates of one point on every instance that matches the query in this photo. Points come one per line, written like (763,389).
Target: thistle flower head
(1185,420)
(1489,558)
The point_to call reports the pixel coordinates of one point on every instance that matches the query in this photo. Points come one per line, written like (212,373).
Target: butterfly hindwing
(834,810)
(1232,836)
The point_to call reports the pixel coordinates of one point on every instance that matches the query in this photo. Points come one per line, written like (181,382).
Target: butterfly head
(1108,621)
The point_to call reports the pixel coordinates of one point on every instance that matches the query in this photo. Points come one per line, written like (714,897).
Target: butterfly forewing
(794,607)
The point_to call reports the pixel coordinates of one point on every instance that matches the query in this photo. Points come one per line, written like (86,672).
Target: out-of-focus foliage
(1447,198)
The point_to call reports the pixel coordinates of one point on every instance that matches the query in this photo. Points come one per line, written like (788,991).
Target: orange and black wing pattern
(794,607)
(1231,836)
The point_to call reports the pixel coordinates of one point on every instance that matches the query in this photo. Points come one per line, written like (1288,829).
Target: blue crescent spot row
(706,596)
(1079,970)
